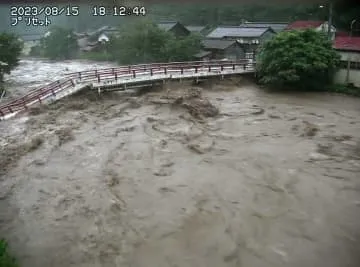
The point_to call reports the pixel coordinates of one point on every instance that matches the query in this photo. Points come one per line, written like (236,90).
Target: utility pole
(349,57)
(330,19)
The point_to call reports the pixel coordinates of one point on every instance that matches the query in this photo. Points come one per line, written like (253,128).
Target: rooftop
(304,24)
(347,43)
(276,26)
(236,31)
(193,28)
(202,54)
(167,25)
(217,44)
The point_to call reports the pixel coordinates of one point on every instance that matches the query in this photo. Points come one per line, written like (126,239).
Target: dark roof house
(239,32)
(220,49)
(175,27)
(196,29)
(276,26)
(203,55)
(217,44)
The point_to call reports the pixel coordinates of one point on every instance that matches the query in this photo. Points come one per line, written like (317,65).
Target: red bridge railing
(54,88)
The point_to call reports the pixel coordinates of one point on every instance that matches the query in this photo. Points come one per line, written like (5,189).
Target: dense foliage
(143,41)
(60,44)
(10,50)
(6,260)
(297,59)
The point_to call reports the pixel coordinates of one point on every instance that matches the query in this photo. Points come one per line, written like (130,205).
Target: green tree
(297,59)
(60,44)
(181,49)
(10,50)
(142,41)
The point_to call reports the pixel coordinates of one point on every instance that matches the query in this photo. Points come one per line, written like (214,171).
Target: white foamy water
(33,73)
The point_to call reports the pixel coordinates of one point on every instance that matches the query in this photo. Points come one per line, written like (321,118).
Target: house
(91,41)
(221,49)
(175,27)
(203,55)
(30,41)
(349,50)
(309,24)
(275,26)
(249,38)
(201,30)
(102,34)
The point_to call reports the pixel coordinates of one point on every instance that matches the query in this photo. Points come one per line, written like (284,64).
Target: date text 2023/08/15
(118,11)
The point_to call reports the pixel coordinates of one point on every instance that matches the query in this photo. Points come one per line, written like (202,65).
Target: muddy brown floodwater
(272,180)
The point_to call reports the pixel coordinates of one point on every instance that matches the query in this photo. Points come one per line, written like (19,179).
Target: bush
(344,89)
(297,59)
(6,260)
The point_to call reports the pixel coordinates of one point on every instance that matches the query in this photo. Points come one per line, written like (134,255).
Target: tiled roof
(304,24)
(202,54)
(341,33)
(217,44)
(347,43)
(275,26)
(195,28)
(167,25)
(236,31)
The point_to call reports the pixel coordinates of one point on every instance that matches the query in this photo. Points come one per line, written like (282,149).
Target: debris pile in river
(196,105)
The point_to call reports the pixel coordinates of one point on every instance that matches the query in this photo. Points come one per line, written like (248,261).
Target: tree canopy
(10,50)
(298,59)
(60,44)
(142,41)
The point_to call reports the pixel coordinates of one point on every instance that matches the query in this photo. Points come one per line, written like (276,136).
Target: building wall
(354,77)
(354,56)
(234,52)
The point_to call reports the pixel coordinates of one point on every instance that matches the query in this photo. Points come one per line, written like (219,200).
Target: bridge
(123,78)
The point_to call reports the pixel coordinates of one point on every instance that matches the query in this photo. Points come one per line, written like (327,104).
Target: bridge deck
(122,77)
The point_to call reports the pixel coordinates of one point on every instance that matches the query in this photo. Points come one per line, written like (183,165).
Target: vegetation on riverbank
(303,60)
(6,259)
(10,50)
(344,89)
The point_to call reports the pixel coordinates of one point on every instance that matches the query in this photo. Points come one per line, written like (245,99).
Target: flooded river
(121,180)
